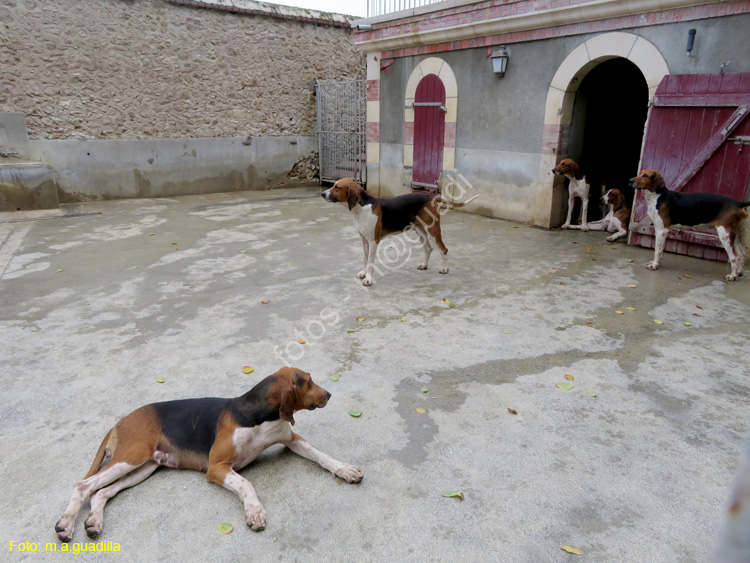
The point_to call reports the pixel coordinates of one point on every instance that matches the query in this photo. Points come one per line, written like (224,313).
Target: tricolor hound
(578,186)
(377,217)
(617,219)
(669,210)
(214,435)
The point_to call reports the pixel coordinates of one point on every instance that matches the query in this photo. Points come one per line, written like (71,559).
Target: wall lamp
(691,42)
(500,60)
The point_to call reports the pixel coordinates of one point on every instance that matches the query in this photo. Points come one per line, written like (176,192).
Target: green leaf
(333,378)
(565,386)
(225,528)
(451,305)
(163,283)
(454,494)
(687,323)
(351,330)
(161,379)
(420,410)
(630,308)
(151,234)
(133,268)
(60,270)
(355,413)
(404,319)
(424,389)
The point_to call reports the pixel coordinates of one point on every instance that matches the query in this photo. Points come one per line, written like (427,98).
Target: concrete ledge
(27,185)
(119,169)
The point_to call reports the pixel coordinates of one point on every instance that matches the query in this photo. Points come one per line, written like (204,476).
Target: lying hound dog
(669,210)
(617,219)
(214,435)
(377,217)
(579,186)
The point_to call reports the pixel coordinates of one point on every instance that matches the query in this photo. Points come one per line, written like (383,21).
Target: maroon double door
(429,129)
(698,137)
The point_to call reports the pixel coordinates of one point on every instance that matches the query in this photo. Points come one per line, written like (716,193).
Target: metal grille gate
(342,130)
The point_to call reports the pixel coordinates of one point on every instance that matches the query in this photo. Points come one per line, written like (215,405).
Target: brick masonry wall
(142,69)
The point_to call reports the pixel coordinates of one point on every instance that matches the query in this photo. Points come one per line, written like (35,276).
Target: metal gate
(696,138)
(429,128)
(342,130)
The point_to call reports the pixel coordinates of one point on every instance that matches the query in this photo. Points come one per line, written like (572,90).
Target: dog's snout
(323,194)
(328,395)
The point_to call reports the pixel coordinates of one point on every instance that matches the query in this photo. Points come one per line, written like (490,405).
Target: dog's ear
(575,171)
(657,180)
(353,198)
(287,399)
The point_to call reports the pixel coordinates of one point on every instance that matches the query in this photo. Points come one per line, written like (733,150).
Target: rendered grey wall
(88,170)
(500,120)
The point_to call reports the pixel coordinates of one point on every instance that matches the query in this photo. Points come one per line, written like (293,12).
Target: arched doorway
(429,129)
(606,132)
(561,97)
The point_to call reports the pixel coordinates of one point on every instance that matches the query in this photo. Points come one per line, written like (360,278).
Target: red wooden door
(696,138)
(429,127)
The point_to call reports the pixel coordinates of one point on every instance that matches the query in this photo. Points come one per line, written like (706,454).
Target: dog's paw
(653,265)
(422,267)
(255,516)
(368,281)
(64,529)
(361,275)
(93,525)
(730,277)
(565,226)
(444,270)
(349,473)
(584,228)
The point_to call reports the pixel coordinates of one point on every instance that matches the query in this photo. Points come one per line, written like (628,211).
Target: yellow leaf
(248,369)
(688,277)
(404,319)
(658,322)
(421,410)
(360,319)
(571,549)
(265,301)
(632,286)
(302,341)
(506,332)
(631,260)
(225,528)
(569,377)
(619,312)
(630,308)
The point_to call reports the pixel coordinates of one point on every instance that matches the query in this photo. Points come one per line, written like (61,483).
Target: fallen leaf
(161,379)
(420,410)
(175,244)
(588,248)
(355,413)
(163,283)
(351,330)
(630,308)
(589,323)
(424,389)
(512,411)
(565,386)
(631,260)
(60,270)
(592,394)
(404,319)
(444,300)
(573,550)
(701,308)
(632,286)
(225,528)
(506,332)
(569,377)
(697,315)
(575,242)
(619,312)
(494,228)
(248,369)
(302,341)
(333,378)
(265,301)
(288,263)
(688,277)
(554,268)
(516,227)
(243,251)
(658,322)
(687,323)
(452,306)
(151,234)
(133,268)
(455,494)
(562,283)
(176,248)
(360,319)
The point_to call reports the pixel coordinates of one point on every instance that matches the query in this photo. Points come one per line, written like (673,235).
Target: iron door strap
(428,104)
(424,185)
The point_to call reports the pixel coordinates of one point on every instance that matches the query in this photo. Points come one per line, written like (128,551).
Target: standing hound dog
(669,210)
(377,217)
(578,186)
(617,219)
(214,435)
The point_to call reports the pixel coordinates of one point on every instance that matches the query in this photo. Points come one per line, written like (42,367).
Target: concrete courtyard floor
(94,308)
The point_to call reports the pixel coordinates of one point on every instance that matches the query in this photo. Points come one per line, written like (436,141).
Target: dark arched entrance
(607,128)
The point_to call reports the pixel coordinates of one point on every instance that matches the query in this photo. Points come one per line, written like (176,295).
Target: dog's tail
(100,454)
(439,199)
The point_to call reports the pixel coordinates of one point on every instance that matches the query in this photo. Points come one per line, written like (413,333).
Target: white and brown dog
(617,219)
(217,436)
(670,210)
(579,186)
(378,217)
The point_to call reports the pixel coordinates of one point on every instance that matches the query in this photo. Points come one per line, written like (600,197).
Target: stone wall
(146,69)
